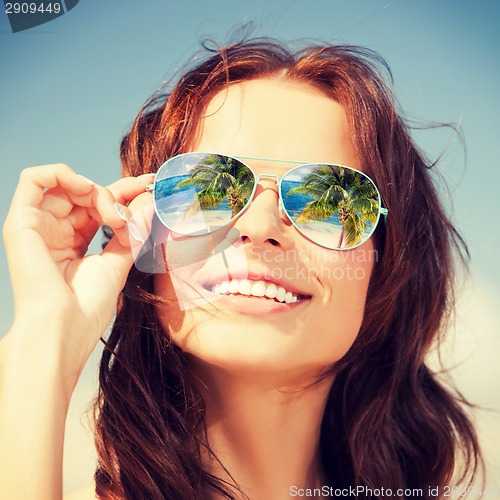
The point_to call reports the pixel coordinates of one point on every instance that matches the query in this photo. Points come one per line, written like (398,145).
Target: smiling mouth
(260,288)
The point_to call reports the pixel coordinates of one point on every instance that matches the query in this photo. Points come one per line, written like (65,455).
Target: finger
(57,202)
(35,180)
(79,217)
(100,206)
(57,233)
(120,258)
(76,251)
(85,213)
(89,230)
(126,189)
(110,202)
(140,214)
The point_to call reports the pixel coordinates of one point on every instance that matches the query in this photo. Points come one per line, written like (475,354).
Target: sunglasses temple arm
(150,187)
(384,212)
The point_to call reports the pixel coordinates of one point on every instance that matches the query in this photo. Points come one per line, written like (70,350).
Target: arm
(63,303)
(34,404)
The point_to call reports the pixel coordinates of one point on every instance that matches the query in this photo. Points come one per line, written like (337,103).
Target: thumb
(120,260)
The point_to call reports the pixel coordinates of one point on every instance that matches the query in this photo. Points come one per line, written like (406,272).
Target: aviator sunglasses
(334,206)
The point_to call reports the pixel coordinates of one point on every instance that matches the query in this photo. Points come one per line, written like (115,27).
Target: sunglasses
(334,206)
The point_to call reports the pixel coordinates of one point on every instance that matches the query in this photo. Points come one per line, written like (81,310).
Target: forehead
(276,118)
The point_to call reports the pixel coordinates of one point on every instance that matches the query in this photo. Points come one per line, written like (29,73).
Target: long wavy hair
(389,422)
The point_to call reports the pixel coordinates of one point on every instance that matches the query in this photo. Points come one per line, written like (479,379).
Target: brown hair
(388,421)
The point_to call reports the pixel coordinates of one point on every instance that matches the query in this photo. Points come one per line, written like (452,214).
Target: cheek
(343,279)
(318,338)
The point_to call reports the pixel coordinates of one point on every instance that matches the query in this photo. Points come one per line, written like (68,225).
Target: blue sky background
(70,88)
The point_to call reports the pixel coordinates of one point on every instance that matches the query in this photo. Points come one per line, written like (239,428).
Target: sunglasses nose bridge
(267,176)
(272,177)
(276,179)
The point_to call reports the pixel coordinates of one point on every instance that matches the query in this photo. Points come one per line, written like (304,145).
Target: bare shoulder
(86,493)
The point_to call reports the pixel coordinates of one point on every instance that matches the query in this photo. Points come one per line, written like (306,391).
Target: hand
(63,299)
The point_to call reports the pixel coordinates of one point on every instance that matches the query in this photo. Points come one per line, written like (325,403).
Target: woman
(213,383)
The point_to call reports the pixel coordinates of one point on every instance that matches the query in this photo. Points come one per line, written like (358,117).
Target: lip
(249,304)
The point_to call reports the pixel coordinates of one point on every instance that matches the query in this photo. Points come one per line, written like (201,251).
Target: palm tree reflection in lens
(344,192)
(336,195)
(219,178)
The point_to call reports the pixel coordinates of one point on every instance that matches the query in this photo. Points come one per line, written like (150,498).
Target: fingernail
(120,212)
(88,181)
(134,232)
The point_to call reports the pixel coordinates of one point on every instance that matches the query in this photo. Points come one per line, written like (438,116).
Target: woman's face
(267,118)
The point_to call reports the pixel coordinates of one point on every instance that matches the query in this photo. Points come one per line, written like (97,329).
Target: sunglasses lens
(198,193)
(334,206)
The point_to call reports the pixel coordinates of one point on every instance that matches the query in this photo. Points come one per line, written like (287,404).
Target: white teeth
(271,291)
(259,289)
(224,287)
(255,288)
(233,286)
(245,287)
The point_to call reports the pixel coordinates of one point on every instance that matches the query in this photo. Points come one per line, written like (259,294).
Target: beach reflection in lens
(198,193)
(334,206)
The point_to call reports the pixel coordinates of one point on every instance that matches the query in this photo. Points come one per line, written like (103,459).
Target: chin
(261,346)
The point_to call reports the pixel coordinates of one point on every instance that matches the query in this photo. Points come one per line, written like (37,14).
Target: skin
(63,302)
(263,414)
(257,368)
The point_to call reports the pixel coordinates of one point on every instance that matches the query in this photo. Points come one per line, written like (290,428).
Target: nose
(263,222)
